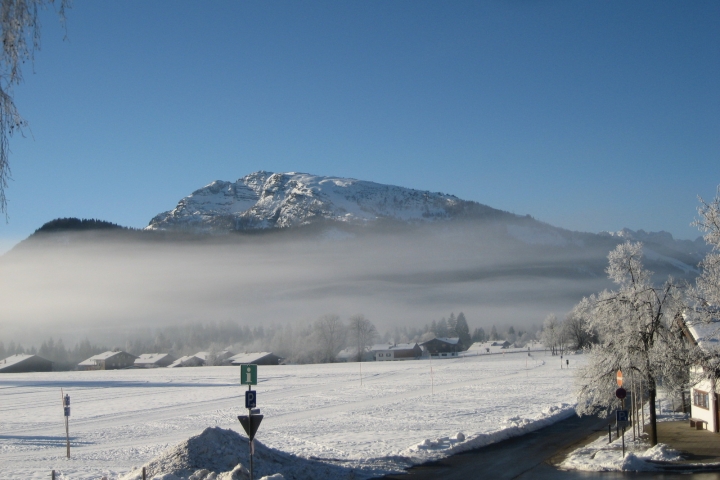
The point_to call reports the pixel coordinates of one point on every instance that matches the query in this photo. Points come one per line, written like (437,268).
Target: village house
(704,405)
(187,361)
(154,360)
(350,354)
(25,363)
(216,359)
(257,358)
(398,351)
(443,347)
(112,360)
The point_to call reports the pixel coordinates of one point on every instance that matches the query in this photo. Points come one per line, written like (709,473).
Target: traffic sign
(248,374)
(250,423)
(619,378)
(250,399)
(621,393)
(621,416)
(67,411)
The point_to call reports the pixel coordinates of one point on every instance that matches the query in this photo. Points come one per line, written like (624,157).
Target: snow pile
(441,447)
(218,454)
(600,456)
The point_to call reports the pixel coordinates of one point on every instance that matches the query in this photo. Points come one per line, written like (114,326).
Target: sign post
(251,421)
(621,415)
(66,412)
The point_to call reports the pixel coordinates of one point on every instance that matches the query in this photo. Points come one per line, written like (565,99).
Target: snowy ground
(401,414)
(601,456)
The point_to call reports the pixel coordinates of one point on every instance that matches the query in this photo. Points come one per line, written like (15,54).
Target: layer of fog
(100,286)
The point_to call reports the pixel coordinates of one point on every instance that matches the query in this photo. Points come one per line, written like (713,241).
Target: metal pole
(250,443)
(67,436)
(609,433)
(144,477)
(623,442)
(53,475)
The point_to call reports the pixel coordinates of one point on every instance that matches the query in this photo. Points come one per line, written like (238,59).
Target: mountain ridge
(264,199)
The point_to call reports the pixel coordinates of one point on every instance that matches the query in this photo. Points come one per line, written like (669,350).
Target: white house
(704,408)
(187,361)
(397,351)
(154,360)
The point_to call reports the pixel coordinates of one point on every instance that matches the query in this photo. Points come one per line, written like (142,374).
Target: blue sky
(587,115)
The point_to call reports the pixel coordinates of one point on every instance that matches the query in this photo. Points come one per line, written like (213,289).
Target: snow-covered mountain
(264,200)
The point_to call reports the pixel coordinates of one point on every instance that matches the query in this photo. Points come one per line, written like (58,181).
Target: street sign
(251,424)
(248,374)
(621,416)
(621,393)
(250,399)
(619,378)
(67,411)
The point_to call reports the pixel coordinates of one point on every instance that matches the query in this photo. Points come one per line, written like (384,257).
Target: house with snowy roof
(704,406)
(25,363)
(187,361)
(397,351)
(111,360)
(441,347)
(350,354)
(154,360)
(215,359)
(257,358)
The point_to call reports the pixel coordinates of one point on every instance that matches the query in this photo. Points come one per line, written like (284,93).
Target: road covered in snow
(390,416)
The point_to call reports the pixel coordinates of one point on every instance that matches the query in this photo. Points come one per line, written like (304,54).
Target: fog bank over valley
(109,284)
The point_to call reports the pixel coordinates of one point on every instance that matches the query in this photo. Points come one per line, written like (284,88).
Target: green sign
(248,374)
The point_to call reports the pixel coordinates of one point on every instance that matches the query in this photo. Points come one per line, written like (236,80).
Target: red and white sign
(619,378)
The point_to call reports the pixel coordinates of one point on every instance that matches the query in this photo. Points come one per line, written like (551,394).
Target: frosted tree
(330,334)
(706,294)
(362,334)
(20,32)
(638,333)
(576,329)
(552,334)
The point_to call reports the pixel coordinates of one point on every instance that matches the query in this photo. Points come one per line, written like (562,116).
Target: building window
(701,399)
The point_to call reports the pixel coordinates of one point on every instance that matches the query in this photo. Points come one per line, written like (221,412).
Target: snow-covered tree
(576,329)
(553,335)
(362,334)
(706,293)
(330,334)
(638,334)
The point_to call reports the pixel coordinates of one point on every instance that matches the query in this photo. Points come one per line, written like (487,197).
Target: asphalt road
(528,458)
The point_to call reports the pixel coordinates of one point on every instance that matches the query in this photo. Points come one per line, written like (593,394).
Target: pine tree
(463,331)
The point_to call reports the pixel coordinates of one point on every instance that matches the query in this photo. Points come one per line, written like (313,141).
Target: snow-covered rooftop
(99,356)
(244,358)
(147,358)
(14,360)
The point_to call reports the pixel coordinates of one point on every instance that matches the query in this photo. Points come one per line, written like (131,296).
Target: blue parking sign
(250,399)
(621,416)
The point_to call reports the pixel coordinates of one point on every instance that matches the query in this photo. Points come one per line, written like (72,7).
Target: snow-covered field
(401,414)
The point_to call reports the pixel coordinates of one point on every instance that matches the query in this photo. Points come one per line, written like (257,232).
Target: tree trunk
(652,393)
